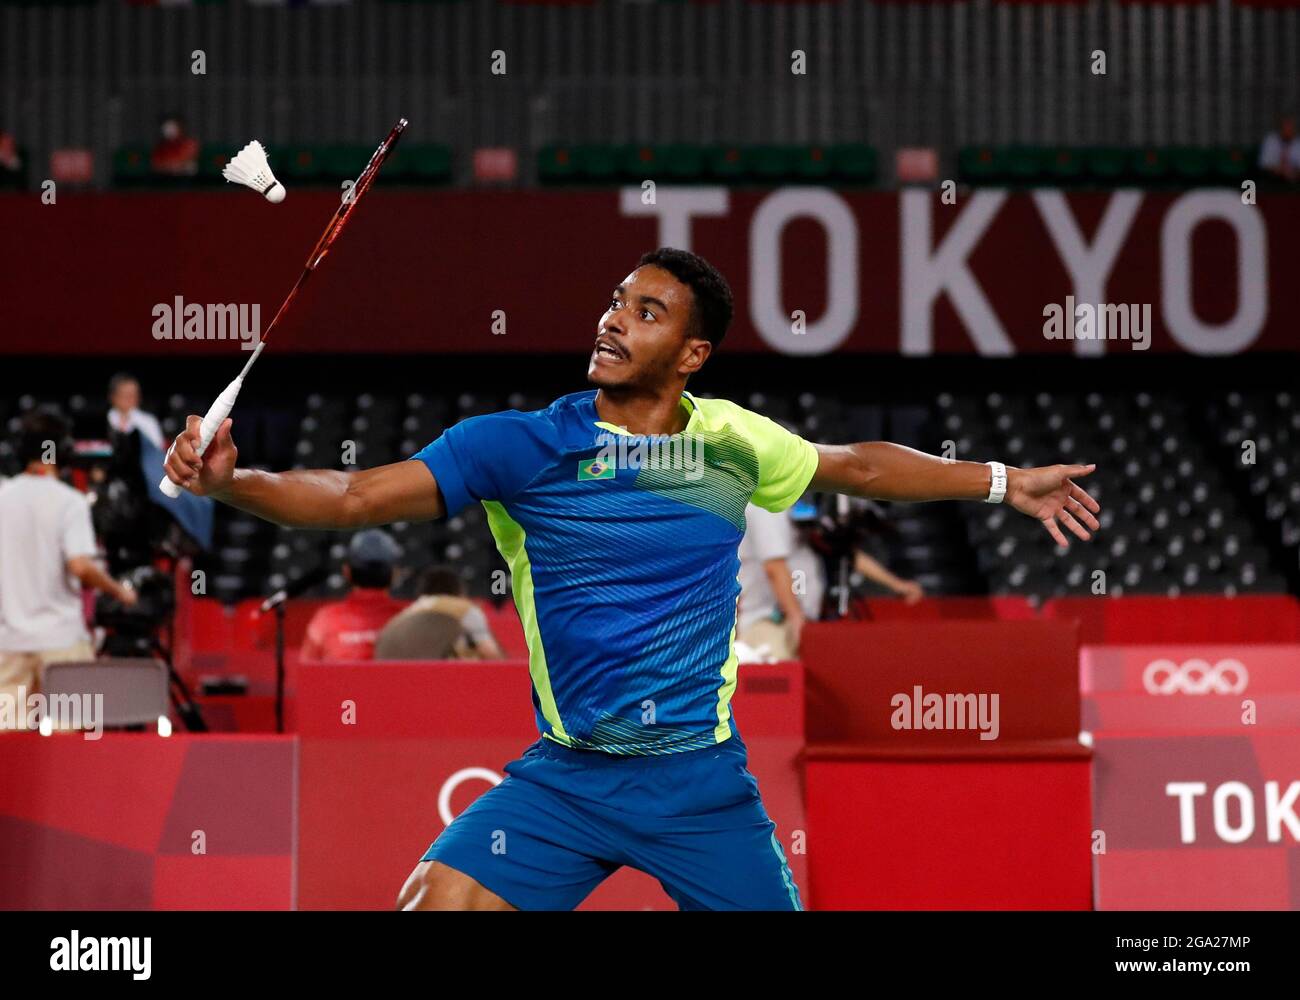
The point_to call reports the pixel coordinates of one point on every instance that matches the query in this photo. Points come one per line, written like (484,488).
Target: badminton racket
(220,409)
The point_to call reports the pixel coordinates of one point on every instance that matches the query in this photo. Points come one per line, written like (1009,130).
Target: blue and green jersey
(622,552)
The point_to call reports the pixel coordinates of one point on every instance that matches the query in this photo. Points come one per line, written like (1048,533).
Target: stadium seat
(415,164)
(397,168)
(853,163)
(1065,165)
(212,158)
(597,163)
(1234,163)
(981,165)
(555,165)
(131,166)
(727,164)
(1191,164)
(770,164)
(642,161)
(813,164)
(343,162)
(1026,164)
(429,163)
(1150,165)
(684,162)
(1105,165)
(300,164)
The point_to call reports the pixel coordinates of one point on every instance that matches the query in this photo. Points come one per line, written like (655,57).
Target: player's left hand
(1049,494)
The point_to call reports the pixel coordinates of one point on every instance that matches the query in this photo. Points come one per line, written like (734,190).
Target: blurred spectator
(12,173)
(1280,152)
(125,415)
(876,571)
(175,152)
(443,624)
(781,583)
(348,630)
(47,545)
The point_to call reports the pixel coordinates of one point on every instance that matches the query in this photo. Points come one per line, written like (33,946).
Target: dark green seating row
(847,164)
(1106,166)
(682,163)
(330,165)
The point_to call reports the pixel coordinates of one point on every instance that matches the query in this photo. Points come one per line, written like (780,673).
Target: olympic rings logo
(1195,677)
(451,784)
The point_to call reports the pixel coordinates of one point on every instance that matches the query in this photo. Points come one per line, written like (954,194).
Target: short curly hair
(714,305)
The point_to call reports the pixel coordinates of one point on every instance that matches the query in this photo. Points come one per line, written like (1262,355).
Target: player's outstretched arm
(887,471)
(308,498)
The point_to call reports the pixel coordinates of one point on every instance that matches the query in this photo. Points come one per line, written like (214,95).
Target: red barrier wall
(950,835)
(922,818)
(115,823)
(853,672)
(370,792)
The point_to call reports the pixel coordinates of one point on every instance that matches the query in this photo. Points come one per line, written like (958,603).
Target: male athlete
(624,575)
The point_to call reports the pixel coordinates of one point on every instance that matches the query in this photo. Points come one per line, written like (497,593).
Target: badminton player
(624,575)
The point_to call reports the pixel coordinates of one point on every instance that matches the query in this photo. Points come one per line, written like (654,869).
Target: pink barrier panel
(1191,669)
(1118,712)
(1190,686)
(1203,821)
(391,752)
(135,821)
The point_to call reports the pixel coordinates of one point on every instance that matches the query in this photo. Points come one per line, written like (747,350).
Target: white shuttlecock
(249,167)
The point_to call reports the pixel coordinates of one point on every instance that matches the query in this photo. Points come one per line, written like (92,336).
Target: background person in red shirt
(176,152)
(347,630)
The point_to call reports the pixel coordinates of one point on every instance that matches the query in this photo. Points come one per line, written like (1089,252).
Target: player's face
(643,338)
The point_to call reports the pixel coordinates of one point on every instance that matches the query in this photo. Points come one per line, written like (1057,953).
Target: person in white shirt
(1279,154)
(781,583)
(125,415)
(47,549)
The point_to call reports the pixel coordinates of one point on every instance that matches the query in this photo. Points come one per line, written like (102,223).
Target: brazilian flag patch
(594,468)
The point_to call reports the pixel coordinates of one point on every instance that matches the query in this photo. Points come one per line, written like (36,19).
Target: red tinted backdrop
(813,270)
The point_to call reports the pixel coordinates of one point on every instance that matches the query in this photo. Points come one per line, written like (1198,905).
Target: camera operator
(46,543)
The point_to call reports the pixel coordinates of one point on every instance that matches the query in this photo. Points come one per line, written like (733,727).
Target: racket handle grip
(212,421)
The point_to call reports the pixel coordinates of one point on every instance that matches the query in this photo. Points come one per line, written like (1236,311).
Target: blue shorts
(564,820)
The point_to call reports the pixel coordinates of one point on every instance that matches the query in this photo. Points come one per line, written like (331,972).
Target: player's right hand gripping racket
(219,410)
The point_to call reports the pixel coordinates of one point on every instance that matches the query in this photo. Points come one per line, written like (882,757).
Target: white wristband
(998,485)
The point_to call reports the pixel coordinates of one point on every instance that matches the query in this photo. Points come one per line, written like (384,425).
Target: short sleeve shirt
(623,557)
